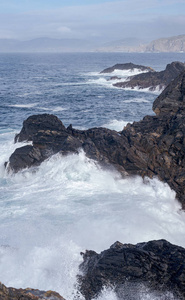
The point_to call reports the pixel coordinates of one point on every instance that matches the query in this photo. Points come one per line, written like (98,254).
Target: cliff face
(155,146)
(172,44)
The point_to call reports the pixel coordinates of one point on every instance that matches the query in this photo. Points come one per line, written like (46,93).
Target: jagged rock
(127,66)
(27,294)
(158,265)
(153,80)
(155,146)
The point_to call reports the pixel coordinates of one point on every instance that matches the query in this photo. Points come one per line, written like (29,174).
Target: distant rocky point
(170,44)
(127,66)
(153,80)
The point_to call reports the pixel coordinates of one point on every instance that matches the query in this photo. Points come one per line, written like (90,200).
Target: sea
(68,204)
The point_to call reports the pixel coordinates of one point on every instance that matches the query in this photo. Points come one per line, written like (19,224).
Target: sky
(103,20)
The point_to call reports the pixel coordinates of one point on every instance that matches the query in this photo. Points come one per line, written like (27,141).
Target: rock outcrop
(27,294)
(153,80)
(155,265)
(155,146)
(169,44)
(127,66)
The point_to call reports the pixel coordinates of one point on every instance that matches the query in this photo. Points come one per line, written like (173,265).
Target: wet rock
(153,80)
(127,66)
(27,294)
(156,265)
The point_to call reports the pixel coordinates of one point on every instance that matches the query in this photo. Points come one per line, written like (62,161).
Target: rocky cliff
(155,146)
(170,44)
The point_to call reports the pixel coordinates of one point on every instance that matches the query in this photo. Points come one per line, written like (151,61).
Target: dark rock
(114,78)
(126,66)
(155,146)
(27,294)
(153,80)
(158,265)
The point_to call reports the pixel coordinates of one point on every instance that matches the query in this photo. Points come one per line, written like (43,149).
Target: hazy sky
(106,20)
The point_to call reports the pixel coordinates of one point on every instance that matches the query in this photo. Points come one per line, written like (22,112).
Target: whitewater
(51,213)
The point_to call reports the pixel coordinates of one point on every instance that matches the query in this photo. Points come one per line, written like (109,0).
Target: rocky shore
(154,146)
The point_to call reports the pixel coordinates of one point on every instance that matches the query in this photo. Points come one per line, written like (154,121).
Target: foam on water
(155,91)
(51,213)
(117,125)
(126,73)
(137,100)
(29,105)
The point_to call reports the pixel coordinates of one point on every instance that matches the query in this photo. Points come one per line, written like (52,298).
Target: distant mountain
(124,45)
(45,45)
(171,44)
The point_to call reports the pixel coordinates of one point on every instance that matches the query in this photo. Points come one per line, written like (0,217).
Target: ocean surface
(69,204)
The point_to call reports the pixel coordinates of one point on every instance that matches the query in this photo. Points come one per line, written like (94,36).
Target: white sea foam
(30,93)
(117,125)
(127,73)
(53,108)
(51,213)
(29,105)
(156,91)
(136,100)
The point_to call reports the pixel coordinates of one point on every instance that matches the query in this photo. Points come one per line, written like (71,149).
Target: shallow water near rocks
(51,213)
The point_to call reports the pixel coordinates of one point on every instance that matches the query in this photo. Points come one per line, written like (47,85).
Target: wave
(29,105)
(127,73)
(117,72)
(156,91)
(49,212)
(137,100)
(53,108)
(117,125)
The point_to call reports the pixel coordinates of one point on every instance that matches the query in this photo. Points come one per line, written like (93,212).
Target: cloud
(108,20)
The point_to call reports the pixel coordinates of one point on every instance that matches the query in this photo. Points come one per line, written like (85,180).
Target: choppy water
(51,213)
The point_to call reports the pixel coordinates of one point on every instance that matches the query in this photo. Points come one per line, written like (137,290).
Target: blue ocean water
(69,204)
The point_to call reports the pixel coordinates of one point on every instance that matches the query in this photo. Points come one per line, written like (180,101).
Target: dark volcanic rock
(127,66)
(158,265)
(27,294)
(155,146)
(153,80)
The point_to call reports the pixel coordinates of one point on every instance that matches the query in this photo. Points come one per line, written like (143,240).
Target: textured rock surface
(153,80)
(127,66)
(27,294)
(158,265)
(155,146)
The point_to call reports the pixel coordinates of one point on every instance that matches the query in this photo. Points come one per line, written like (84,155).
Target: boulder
(158,266)
(27,294)
(127,66)
(153,80)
